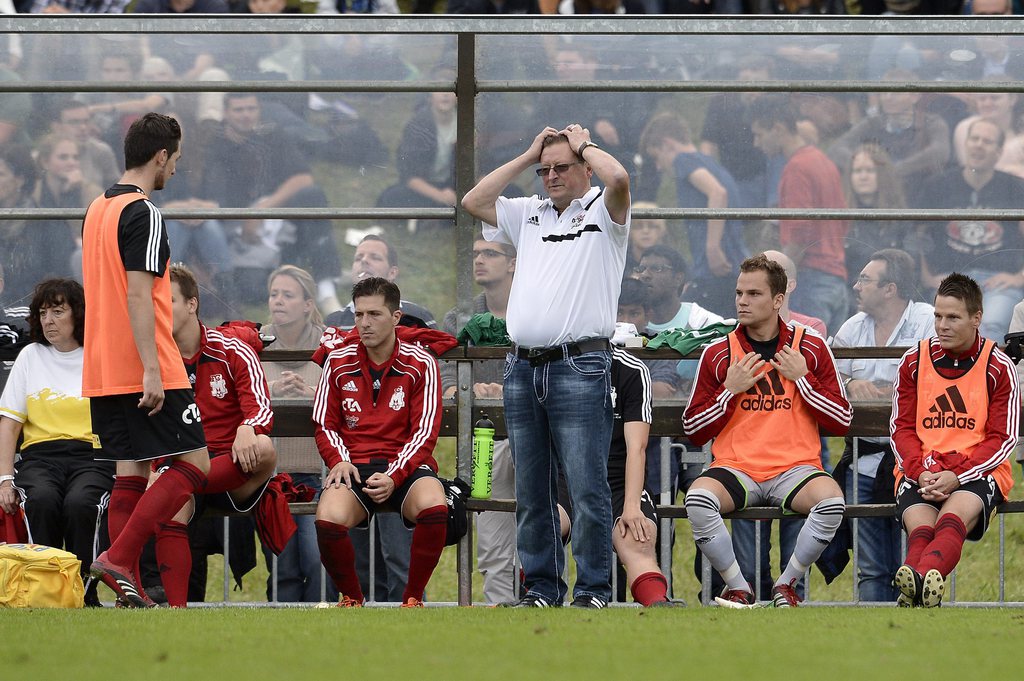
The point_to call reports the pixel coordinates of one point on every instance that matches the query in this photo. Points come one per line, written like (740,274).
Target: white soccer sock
(818,530)
(705,514)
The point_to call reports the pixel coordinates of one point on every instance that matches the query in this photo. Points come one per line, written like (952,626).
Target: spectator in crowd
(991,253)
(295,323)
(250,165)
(64,491)
(426,155)
(953,430)
(870,182)
(15,107)
(727,137)
(97,160)
(766,360)
(809,180)
(560,318)
(887,316)
(662,270)
(494,265)
(375,257)
(716,246)
(181,7)
(61,182)
(997,107)
(234,403)
(30,250)
(79,6)
(917,142)
(113,112)
(14,333)
(787,314)
(493,7)
(643,233)
(386,463)
(132,370)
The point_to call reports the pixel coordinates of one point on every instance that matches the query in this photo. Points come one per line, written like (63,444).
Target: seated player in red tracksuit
(378,414)
(234,404)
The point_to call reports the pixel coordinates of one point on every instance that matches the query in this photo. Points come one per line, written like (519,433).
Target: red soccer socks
(916,543)
(158,504)
(174,559)
(125,495)
(650,587)
(224,475)
(943,553)
(339,558)
(427,545)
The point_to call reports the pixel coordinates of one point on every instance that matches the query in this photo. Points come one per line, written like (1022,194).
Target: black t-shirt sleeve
(142,239)
(633,391)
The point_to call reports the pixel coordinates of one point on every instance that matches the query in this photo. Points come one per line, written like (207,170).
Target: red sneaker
(785,596)
(346,602)
(412,603)
(736,598)
(121,581)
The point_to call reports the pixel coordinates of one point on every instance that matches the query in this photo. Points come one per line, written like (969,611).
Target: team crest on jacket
(218,386)
(351,421)
(398,399)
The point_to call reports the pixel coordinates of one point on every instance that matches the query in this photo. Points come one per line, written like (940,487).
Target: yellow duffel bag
(36,576)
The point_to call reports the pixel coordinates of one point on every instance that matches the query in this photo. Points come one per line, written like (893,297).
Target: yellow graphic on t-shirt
(55,415)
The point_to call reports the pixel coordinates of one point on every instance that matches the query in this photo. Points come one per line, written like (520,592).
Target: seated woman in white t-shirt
(63,490)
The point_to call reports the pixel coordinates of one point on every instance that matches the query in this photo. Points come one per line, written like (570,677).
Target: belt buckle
(534,353)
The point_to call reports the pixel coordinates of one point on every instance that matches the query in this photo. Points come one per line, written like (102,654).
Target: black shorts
(128,433)
(396,500)
(619,501)
(986,489)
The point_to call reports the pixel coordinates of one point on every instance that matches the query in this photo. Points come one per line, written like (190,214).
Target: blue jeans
(298,567)
(392,546)
(998,305)
(822,295)
(560,414)
(744,543)
(205,242)
(878,546)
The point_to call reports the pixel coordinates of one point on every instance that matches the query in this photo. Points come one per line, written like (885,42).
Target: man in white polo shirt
(561,311)
(887,316)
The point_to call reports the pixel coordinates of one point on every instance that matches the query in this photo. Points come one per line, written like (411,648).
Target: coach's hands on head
(379,487)
(742,375)
(342,474)
(538,143)
(152,392)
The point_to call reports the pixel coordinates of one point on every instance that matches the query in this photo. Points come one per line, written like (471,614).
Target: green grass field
(479,643)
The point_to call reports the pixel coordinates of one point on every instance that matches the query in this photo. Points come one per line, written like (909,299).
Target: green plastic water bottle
(483,457)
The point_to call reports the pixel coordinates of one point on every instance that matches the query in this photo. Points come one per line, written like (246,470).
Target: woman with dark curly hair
(63,490)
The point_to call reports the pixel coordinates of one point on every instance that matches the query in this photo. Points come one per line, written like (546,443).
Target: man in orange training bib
(954,423)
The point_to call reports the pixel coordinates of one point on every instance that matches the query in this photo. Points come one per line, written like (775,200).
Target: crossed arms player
(234,403)
(762,393)
(140,397)
(955,414)
(378,414)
